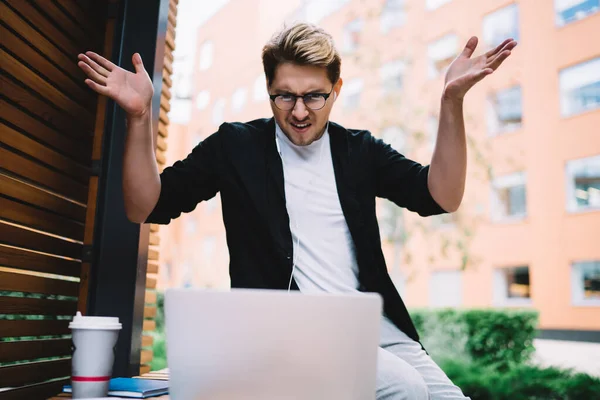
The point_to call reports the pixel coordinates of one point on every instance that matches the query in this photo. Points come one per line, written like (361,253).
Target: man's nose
(300,111)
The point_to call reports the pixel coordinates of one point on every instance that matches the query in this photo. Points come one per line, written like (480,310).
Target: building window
(501,25)
(352,32)
(354,88)
(393,15)
(509,197)
(209,245)
(433,4)
(202,99)
(583,184)
(572,10)
(218,112)
(206,55)
(512,286)
(238,100)
(259,90)
(392,76)
(315,10)
(395,137)
(505,111)
(441,53)
(585,283)
(580,88)
(446,289)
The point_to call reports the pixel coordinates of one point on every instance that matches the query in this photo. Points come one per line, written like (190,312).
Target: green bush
(524,382)
(498,338)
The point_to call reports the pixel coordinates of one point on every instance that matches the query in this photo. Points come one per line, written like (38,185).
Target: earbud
(334,95)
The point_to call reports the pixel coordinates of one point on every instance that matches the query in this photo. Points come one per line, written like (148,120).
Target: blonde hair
(302,44)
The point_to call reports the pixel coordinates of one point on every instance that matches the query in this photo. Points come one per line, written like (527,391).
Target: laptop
(271,345)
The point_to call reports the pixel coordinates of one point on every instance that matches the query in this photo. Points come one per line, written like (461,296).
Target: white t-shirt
(324,252)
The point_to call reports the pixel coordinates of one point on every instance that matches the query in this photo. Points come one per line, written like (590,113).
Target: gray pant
(405,370)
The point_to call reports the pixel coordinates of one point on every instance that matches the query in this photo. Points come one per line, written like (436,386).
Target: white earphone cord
(295,220)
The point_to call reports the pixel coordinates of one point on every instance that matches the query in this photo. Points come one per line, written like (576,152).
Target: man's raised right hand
(132,91)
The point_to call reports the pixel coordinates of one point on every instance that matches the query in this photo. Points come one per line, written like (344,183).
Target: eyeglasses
(314,101)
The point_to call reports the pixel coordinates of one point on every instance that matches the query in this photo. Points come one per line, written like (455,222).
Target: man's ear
(336,88)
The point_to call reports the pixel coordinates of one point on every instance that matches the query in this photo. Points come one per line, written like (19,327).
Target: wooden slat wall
(161,147)
(49,134)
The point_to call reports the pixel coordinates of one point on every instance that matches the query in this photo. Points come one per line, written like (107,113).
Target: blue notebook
(133,388)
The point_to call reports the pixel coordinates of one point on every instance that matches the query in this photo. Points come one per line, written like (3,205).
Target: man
(298,191)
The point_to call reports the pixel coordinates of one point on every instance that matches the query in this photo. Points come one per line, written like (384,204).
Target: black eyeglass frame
(296,97)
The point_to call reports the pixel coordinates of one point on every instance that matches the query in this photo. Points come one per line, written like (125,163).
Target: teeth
(301,126)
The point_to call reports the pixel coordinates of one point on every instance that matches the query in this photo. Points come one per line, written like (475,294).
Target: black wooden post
(120,249)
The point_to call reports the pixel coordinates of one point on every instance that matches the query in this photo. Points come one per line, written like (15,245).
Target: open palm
(132,91)
(465,71)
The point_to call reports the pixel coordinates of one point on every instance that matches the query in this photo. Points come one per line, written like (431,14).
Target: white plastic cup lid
(106,323)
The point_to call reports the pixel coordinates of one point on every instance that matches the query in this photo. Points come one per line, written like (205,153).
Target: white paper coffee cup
(94,340)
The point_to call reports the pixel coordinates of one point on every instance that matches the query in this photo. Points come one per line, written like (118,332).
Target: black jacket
(242,163)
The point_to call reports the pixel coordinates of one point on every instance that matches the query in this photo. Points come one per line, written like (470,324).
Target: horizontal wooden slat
(146,356)
(172,18)
(32,217)
(77,150)
(56,118)
(163,129)
(46,47)
(147,341)
(166,91)
(152,254)
(149,311)
(51,73)
(167,78)
(149,325)
(144,369)
(160,157)
(150,282)
(39,85)
(173,8)
(37,19)
(75,31)
(28,327)
(154,239)
(168,65)
(28,260)
(150,297)
(161,143)
(11,281)
(33,148)
(152,267)
(154,227)
(23,374)
(33,195)
(31,306)
(32,349)
(87,20)
(170,41)
(42,175)
(38,391)
(164,103)
(19,237)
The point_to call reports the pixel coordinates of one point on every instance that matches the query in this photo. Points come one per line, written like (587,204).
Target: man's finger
(137,63)
(91,73)
(498,48)
(97,88)
(92,64)
(101,60)
(495,63)
(470,46)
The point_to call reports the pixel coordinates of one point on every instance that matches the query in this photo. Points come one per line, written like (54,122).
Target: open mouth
(300,127)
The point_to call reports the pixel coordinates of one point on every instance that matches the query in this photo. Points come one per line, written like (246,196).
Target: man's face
(301,124)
